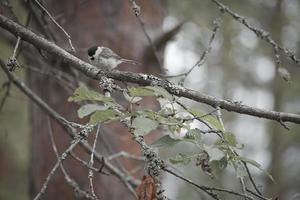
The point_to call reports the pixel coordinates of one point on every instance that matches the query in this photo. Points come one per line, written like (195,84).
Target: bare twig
(57,24)
(91,163)
(127,180)
(219,116)
(207,189)
(251,178)
(137,11)
(258,195)
(217,24)
(260,33)
(126,155)
(12,62)
(86,164)
(70,181)
(55,167)
(198,118)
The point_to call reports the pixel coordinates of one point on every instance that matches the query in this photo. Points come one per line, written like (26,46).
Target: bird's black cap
(92,50)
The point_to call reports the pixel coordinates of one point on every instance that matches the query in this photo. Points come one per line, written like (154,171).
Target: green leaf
(230,138)
(101,116)
(165,141)
(196,135)
(150,91)
(83,93)
(160,92)
(180,159)
(208,118)
(252,162)
(214,153)
(143,125)
(88,109)
(140,92)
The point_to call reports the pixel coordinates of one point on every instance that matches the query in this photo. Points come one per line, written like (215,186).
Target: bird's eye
(92,58)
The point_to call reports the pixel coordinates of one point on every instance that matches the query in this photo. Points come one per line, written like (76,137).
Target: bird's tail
(131,62)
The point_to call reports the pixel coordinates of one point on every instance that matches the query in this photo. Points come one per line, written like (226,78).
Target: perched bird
(105,58)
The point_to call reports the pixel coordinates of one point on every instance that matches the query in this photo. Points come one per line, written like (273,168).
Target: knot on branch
(154,164)
(84,132)
(12,64)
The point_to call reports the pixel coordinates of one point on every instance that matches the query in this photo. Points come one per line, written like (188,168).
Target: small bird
(105,58)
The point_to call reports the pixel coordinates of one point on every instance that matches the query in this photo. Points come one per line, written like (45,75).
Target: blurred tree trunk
(275,129)
(108,23)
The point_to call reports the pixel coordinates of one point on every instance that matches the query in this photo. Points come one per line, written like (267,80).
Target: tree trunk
(108,23)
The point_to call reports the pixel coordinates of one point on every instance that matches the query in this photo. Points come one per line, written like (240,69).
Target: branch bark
(141,79)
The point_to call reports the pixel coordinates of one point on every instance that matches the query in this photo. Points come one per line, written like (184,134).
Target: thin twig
(55,167)
(68,179)
(57,24)
(243,185)
(198,118)
(127,180)
(260,33)
(12,62)
(217,25)
(91,163)
(126,155)
(258,195)
(219,117)
(137,11)
(207,189)
(86,164)
(251,178)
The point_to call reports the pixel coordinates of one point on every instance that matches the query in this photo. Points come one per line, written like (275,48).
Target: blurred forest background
(240,67)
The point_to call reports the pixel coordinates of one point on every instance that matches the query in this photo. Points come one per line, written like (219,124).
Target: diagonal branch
(260,33)
(128,181)
(141,79)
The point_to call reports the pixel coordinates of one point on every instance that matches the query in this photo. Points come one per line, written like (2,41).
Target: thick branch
(142,79)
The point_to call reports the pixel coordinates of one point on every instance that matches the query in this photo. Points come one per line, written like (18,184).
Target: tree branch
(126,180)
(141,79)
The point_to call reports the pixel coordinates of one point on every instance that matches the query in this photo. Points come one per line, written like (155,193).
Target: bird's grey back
(107,53)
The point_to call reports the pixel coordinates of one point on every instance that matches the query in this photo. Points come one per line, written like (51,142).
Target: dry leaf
(147,189)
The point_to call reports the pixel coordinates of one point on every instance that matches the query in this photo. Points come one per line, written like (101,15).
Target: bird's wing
(107,53)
